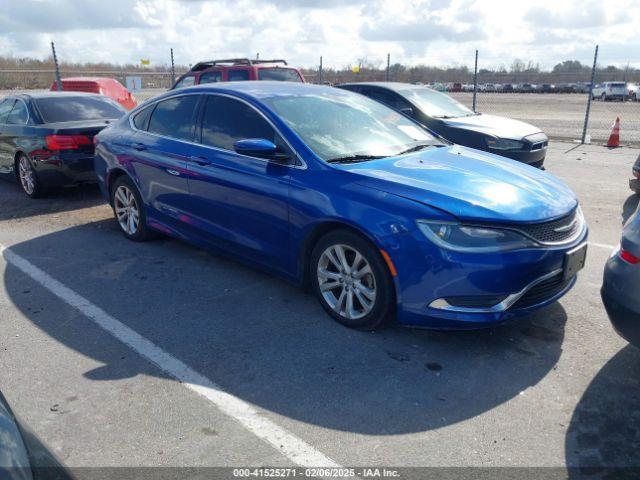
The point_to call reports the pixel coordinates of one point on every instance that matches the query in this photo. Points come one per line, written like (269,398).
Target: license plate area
(574,261)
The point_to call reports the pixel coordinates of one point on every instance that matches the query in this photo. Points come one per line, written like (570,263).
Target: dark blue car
(327,187)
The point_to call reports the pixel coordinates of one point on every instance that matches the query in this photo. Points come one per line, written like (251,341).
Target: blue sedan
(330,189)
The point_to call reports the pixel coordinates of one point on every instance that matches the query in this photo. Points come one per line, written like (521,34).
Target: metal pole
(388,65)
(320,72)
(586,115)
(475,82)
(173,69)
(55,61)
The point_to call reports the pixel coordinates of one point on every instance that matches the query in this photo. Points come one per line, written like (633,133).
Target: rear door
(240,202)
(158,150)
(6,151)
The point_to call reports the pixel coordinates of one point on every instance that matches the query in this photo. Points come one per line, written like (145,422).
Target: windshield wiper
(355,158)
(422,146)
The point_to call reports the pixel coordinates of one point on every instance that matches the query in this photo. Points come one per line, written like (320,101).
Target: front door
(241,202)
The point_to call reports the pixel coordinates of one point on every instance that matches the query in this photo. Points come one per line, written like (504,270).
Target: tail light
(628,257)
(67,142)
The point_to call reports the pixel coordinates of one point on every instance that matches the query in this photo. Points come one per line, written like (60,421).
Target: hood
(469,184)
(491,125)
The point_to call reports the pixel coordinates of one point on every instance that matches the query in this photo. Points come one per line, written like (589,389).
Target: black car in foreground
(453,121)
(46,139)
(22,455)
(621,283)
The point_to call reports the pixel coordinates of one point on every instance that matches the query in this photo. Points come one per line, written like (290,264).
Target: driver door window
(225,121)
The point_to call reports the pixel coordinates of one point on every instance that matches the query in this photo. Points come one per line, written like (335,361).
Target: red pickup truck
(238,69)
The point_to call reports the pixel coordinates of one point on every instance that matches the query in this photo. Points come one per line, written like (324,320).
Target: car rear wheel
(352,281)
(27,177)
(129,210)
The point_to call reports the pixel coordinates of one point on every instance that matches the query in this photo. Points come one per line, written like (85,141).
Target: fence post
(55,62)
(475,82)
(320,82)
(173,70)
(388,66)
(586,115)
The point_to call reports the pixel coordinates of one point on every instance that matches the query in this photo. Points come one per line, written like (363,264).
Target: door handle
(139,146)
(200,160)
(173,172)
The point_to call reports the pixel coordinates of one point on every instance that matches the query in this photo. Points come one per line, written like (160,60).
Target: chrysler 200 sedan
(328,187)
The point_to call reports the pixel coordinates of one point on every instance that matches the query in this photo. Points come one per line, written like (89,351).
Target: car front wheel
(352,281)
(129,210)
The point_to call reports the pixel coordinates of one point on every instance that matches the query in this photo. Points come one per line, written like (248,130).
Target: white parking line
(603,245)
(292,447)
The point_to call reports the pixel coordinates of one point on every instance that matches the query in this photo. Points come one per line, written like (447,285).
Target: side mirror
(260,148)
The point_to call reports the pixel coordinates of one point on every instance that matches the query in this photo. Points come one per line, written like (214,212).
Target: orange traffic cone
(614,138)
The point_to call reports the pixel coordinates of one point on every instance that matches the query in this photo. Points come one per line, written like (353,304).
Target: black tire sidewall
(142,233)
(383,312)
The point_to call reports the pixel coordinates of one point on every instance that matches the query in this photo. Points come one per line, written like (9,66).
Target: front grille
(542,291)
(557,231)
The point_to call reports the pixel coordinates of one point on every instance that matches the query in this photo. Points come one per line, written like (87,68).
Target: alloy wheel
(346,281)
(27,176)
(127,211)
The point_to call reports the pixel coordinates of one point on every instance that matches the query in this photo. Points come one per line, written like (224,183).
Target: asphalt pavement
(116,353)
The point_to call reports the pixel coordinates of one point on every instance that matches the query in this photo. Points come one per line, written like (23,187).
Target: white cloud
(442,32)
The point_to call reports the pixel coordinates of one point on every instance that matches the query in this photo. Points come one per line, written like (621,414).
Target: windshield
(281,74)
(70,109)
(344,124)
(436,104)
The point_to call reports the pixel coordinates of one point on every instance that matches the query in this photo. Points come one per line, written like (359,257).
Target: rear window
(236,75)
(71,109)
(280,74)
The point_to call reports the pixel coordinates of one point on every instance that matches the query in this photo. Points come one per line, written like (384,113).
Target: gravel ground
(556,389)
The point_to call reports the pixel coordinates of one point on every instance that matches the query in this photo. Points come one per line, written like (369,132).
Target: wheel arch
(315,234)
(111,178)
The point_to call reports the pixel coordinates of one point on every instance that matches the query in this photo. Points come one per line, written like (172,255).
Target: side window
(186,81)
(388,98)
(141,119)
(174,117)
(19,115)
(225,121)
(235,75)
(5,108)
(211,77)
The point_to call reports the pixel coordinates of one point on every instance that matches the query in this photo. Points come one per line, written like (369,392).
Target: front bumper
(520,281)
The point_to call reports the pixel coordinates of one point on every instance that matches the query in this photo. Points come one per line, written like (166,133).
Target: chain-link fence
(554,100)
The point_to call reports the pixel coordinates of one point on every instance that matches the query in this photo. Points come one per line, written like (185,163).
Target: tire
(364,301)
(128,210)
(27,177)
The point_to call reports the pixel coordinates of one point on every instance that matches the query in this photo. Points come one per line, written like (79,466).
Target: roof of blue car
(264,89)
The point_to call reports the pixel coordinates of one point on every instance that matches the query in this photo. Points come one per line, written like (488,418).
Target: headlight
(504,144)
(465,238)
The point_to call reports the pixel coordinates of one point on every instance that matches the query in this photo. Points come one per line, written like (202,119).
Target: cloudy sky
(439,32)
